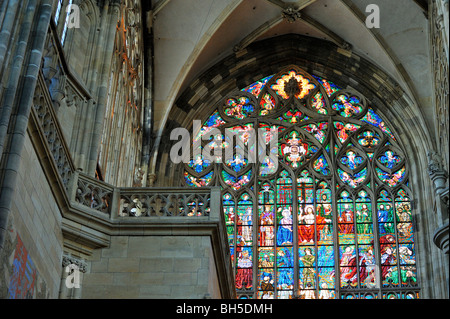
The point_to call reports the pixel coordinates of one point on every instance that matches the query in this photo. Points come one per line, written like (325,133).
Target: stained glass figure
(329,86)
(267,104)
(389,159)
(391,179)
(319,131)
(199,164)
(347,106)
(343,130)
(239,108)
(321,166)
(351,159)
(372,118)
(256,87)
(368,139)
(318,104)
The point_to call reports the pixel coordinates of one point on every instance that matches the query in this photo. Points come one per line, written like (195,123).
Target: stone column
(20,109)
(439,177)
(73,269)
(98,113)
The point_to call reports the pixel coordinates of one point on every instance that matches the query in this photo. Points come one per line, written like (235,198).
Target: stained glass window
(331,216)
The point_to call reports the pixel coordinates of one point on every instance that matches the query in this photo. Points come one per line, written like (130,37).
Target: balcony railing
(115,202)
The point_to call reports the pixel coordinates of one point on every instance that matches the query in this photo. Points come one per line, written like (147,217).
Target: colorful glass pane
(391,179)
(214,121)
(321,166)
(329,86)
(295,150)
(199,164)
(239,108)
(343,130)
(237,163)
(256,87)
(347,106)
(351,159)
(318,103)
(236,183)
(244,273)
(267,104)
(198,181)
(389,159)
(319,131)
(292,84)
(353,180)
(368,139)
(294,117)
(372,118)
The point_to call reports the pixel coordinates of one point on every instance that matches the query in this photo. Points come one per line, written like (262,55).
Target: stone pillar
(439,177)
(72,277)
(97,113)
(21,107)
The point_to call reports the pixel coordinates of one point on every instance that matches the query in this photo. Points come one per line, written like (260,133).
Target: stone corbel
(69,260)
(72,277)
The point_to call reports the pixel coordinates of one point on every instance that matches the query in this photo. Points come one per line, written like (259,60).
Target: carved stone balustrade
(93,194)
(164,202)
(45,122)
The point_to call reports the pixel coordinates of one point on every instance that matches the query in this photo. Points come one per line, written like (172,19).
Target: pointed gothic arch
(333,218)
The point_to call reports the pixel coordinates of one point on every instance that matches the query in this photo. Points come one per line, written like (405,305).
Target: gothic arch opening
(329,214)
(381,101)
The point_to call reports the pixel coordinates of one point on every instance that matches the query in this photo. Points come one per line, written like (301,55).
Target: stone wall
(34,242)
(150,267)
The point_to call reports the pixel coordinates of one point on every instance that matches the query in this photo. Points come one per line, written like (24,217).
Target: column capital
(68,260)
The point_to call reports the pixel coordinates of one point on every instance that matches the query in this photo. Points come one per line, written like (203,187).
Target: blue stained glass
(256,87)
(284,233)
(199,164)
(329,86)
(351,159)
(198,182)
(285,278)
(389,159)
(325,256)
(321,166)
(391,179)
(285,257)
(372,118)
(237,163)
(347,106)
